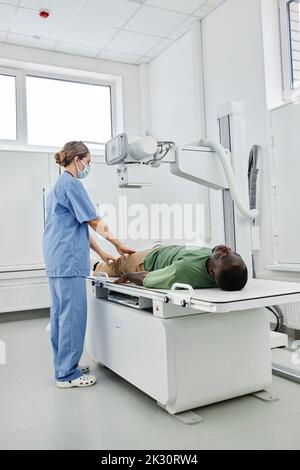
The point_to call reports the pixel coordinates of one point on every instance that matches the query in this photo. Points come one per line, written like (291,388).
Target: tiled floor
(34,414)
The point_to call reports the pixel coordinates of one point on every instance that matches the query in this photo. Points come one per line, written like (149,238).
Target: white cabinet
(24,180)
(286,148)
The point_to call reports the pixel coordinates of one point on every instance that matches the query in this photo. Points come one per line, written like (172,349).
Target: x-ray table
(185,348)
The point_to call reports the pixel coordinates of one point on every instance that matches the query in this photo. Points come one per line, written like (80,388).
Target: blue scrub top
(66,238)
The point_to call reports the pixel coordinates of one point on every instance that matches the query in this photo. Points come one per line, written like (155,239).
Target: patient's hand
(135,278)
(122,280)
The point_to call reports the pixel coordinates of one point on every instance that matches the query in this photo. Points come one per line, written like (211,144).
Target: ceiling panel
(145,60)
(6,16)
(138,1)
(86,34)
(59,7)
(161,46)
(132,43)
(119,57)
(10,2)
(111,13)
(184,6)
(183,28)
(207,6)
(29,41)
(154,21)
(131,31)
(76,50)
(29,23)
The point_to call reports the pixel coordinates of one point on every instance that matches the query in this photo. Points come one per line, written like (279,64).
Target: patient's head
(228,269)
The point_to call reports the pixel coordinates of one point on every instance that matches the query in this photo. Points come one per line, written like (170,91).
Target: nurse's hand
(107,258)
(123,250)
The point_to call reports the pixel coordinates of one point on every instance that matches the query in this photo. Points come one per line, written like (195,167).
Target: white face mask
(83,173)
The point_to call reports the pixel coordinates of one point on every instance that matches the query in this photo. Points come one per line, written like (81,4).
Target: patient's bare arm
(135,278)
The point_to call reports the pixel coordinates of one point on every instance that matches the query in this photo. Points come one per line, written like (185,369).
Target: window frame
(289,92)
(17,74)
(21,105)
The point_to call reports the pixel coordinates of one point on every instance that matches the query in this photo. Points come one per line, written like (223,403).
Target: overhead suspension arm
(225,161)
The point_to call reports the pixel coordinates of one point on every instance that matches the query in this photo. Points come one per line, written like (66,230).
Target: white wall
(172,91)
(102,183)
(233,64)
(234,70)
(174,115)
(283,117)
(241,63)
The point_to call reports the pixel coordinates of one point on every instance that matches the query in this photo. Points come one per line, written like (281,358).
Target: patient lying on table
(162,266)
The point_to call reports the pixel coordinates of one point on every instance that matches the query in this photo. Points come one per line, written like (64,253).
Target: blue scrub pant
(68,324)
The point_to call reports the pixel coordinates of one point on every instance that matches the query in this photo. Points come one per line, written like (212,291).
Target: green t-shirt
(175,263)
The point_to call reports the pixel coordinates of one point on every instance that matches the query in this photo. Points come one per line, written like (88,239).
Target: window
(50,110)
(59,111)
(290,39)
(8,118)
(294,26)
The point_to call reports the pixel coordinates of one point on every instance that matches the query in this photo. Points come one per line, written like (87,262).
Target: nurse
(66,246)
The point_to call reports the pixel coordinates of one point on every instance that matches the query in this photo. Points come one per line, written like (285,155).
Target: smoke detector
(44,14)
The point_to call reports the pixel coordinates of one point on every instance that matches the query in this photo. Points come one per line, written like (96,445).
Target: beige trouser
(124,264)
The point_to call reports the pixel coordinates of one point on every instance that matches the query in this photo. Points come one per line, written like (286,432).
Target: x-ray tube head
(120,149)
(116,150)
(143,148)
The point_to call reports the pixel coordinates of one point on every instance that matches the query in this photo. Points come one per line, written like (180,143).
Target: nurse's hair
(69,151)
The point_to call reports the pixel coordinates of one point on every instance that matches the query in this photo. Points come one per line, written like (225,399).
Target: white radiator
(291,314)
(19,297)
